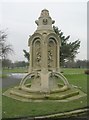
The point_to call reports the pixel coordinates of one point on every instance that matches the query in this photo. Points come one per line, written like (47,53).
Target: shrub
(87,72)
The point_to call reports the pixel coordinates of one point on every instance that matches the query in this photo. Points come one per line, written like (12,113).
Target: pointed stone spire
(44,21)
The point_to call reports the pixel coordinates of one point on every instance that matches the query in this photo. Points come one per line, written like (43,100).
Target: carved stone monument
(44,80)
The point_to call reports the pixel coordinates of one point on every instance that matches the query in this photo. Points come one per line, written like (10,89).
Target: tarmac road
(10,81)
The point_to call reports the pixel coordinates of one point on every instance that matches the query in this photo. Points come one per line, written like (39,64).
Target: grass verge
(14,108)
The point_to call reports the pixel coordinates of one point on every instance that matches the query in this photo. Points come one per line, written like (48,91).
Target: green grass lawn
(73,70)
(14,108)
(15,70)
(24,69)
(0,103)
(79,80)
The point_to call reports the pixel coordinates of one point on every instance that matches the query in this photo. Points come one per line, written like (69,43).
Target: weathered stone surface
(44,80)
(44,52)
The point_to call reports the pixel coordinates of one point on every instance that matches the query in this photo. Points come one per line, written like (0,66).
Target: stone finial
(44,12)
(44,21)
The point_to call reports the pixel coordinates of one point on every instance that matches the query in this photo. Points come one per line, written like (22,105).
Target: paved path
(10,81)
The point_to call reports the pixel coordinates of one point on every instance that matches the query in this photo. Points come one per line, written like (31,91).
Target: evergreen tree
(26,55)
(68,49)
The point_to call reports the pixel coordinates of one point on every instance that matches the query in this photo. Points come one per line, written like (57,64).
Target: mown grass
(15,70)
(14,108)
(73,70)
(0,104)
(24,69)
(79,80)
(3,75)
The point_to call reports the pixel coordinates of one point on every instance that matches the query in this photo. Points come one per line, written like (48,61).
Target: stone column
(44,65)
(58,58)
(31,59)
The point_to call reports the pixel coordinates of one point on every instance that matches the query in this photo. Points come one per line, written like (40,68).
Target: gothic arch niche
(52,53)
(36,53)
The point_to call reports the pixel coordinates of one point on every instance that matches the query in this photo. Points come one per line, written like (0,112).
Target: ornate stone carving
(36,53)
(44,81)
(52,53)
(50,57)
(45,21)
(45,12)
(38,56)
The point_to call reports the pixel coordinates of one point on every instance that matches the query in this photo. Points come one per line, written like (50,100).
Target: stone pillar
(58,58)
(44,81)
(30,62)
(49,52)
(44,54)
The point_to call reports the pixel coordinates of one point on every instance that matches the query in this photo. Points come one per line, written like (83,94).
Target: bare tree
(5,49)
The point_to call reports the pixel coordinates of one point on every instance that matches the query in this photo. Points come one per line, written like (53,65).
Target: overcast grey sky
(19,18)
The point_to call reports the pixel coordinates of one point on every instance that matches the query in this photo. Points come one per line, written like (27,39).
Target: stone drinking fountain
(44,80)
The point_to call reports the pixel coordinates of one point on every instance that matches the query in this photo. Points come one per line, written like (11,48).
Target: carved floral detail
(50,55)
(38,56)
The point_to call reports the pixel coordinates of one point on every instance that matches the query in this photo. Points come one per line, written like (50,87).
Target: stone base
(64,96)
(44,86)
